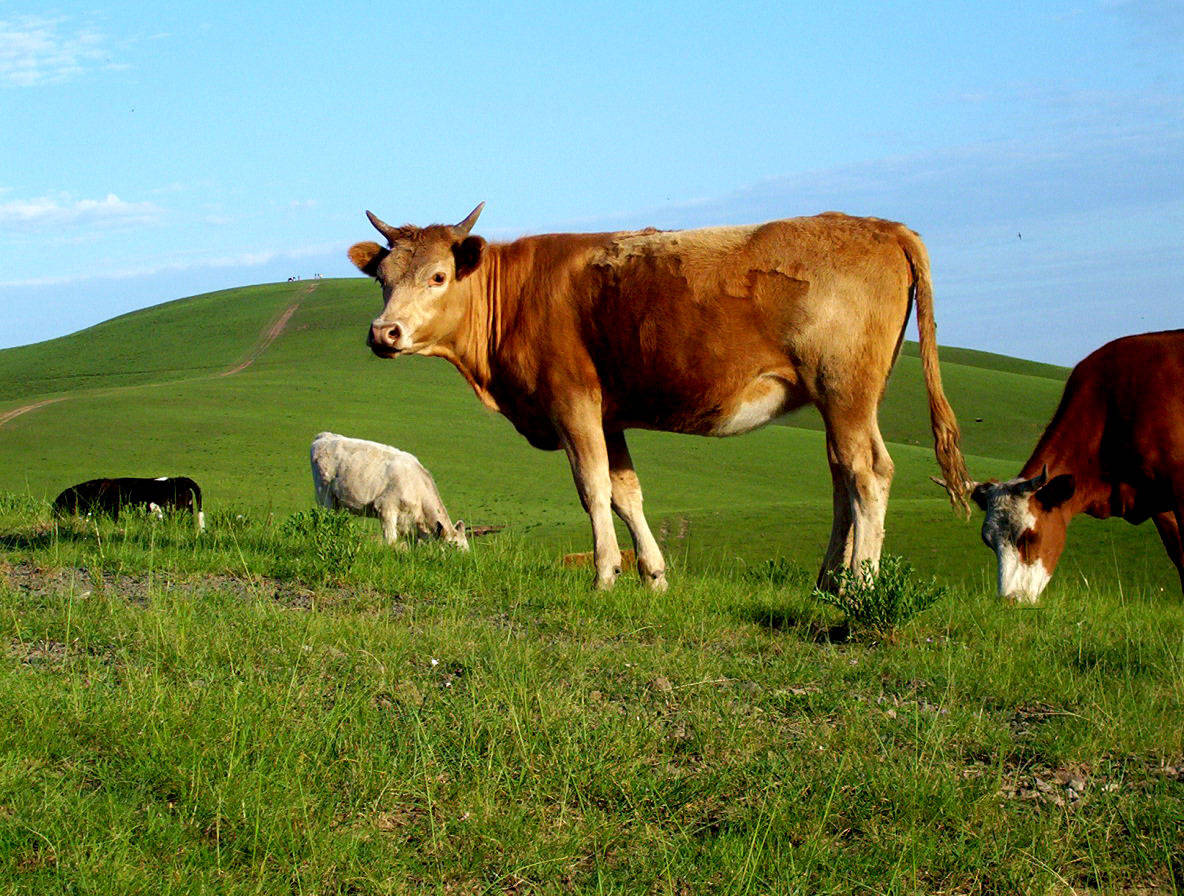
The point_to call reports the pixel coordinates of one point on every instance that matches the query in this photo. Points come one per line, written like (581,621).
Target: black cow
(109,496)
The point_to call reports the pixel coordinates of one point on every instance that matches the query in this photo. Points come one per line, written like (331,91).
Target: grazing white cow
(375,480)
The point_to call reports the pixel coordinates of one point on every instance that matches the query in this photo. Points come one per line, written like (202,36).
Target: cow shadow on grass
(799,621)
(788,577)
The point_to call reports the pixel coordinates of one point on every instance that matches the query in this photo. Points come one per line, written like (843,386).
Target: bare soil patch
(136,587)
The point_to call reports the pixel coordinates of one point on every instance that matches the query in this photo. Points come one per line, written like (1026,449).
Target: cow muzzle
(1020,582)
(386,340)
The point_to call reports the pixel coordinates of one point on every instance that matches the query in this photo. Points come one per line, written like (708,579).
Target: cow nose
(384,336)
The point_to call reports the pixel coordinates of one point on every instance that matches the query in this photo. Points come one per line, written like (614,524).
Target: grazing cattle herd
(576,338)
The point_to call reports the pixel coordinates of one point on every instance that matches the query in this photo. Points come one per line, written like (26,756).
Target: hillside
(159,392)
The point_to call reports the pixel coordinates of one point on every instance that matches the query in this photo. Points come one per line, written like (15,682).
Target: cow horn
(462,229)
(1037,482)
(382,227)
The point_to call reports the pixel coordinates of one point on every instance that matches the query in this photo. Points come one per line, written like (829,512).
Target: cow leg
(393,528)
(627,501)
(1169,525)
(583,439)
(838,551)
(863,462)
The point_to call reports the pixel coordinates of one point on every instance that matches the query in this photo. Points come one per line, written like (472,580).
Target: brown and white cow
(1114,447)
(578,337)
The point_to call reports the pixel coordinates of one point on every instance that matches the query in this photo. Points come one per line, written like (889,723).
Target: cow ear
(460,527)
(439,529)
(367,257)
(1057,491)
(981,494)
(468,254)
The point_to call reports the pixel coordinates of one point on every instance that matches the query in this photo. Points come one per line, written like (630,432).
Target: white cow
(375,480)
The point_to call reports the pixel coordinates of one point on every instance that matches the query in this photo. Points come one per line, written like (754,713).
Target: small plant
(325,543)
(881,601)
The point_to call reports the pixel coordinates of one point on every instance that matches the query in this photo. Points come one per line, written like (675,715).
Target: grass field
(226,713)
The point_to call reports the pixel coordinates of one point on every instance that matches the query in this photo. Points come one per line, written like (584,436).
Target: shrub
(881,601)
(325,543)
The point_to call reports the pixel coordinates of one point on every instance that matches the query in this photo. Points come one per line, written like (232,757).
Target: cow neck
(478,333)
(1072,444)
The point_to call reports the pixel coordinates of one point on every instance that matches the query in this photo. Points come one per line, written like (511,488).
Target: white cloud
(61,210)
(37,50)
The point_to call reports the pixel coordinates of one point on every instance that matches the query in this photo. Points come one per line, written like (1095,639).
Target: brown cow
(1114,447)
(578,337)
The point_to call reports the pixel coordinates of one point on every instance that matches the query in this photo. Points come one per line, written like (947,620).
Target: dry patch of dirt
(1065,786)
(136,587)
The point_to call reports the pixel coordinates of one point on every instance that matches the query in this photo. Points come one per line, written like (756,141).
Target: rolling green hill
(156,392)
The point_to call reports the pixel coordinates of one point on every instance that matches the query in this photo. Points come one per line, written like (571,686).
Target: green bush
(881,601)
(327,544)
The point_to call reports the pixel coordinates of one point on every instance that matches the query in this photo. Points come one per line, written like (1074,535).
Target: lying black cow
(109,496)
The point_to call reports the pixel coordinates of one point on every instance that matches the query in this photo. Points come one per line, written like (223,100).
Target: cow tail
(195,490)
(941,416)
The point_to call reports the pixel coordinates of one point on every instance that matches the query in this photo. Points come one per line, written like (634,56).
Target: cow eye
(438,278)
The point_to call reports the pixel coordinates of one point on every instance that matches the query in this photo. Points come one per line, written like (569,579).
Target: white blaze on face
(1019,581)
(1009,516)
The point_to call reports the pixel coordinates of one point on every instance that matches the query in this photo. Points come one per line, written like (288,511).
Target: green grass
(229,714)
(178,715)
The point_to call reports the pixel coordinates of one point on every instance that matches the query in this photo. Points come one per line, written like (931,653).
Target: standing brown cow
(578,337)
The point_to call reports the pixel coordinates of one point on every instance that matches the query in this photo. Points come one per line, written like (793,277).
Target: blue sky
(153,151)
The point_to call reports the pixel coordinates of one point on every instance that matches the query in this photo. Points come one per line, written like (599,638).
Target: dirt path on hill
(16,412)
(271,333)
(266,338)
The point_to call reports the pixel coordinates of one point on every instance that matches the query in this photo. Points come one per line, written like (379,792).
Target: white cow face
(1025,527)
(455,536)
(418,272)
